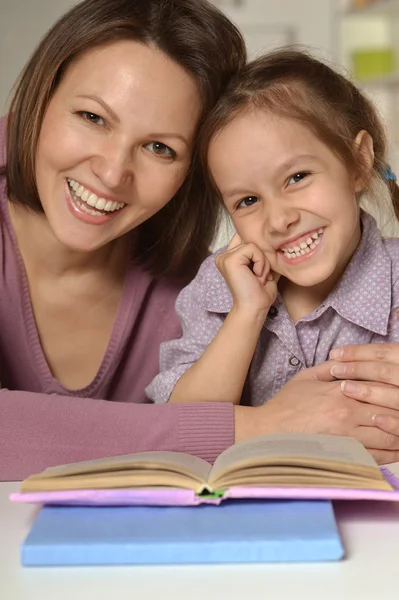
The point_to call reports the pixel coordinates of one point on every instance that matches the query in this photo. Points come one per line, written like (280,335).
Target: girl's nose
(280,218)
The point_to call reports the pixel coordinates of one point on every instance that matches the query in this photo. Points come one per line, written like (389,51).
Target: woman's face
(115,144)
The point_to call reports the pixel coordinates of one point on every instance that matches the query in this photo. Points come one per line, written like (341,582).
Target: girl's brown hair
(195,35)
(295,85)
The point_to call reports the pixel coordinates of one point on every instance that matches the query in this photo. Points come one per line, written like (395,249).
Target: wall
(267,23)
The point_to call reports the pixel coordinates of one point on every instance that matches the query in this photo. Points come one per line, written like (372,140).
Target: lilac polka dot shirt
(362,309)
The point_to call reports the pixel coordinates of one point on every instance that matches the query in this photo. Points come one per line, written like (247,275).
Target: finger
(273,276)
(388,423)
(373,393)
(260,265)
(379,372)
(320,372)
(367,352)
(374,438)
(384,457)
(234,242)
(241,255)
(267,275)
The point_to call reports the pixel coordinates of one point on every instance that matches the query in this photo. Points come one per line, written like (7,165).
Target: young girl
(291,148)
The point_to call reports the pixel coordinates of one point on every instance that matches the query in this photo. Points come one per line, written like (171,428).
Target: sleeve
(38,430)
(199,327)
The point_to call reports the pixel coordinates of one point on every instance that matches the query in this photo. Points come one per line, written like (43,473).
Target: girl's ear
(363,147)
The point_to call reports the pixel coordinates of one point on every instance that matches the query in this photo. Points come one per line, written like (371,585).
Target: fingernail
(350,387)
(338,370)
(337,353)
(379,420)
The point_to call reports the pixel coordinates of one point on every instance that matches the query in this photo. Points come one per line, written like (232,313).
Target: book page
(295,449)
(136,478)
(174,462)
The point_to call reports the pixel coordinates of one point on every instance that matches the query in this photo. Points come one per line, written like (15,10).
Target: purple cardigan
(42,423)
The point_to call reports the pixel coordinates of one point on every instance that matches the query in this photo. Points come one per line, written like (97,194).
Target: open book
(251,468)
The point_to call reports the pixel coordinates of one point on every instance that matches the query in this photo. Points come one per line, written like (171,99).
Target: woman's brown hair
(293,84)
(195,35)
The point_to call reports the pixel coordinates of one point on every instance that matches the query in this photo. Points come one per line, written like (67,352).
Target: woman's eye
(249,201)
(161,150)
(92,117)
(297,178)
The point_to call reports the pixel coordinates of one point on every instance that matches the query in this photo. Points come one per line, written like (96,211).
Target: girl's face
(289,194)
(115,144)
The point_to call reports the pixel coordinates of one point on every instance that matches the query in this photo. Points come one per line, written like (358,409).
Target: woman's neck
(45,256)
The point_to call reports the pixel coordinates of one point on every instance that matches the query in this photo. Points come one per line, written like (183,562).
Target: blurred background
(359,36)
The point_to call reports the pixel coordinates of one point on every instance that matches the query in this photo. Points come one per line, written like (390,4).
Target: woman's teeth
(85,198)
(304,247)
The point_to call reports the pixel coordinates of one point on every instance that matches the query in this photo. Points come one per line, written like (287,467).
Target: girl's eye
(92,117)
(161,150)
(249,201)
(297,178)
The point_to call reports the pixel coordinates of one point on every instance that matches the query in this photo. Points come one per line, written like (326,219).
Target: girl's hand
(247,273)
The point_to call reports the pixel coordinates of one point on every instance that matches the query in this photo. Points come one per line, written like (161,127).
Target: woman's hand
(312,402)
(246,271)
(370,373)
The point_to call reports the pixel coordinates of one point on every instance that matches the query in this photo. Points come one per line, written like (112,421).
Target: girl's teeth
(79,191)
(304,247)
(85,195)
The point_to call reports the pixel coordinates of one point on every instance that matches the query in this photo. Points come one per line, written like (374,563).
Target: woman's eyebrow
(102,103)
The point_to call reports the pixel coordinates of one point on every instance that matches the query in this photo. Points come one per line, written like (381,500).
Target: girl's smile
(303,247)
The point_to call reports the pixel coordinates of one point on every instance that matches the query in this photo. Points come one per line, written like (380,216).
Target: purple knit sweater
(42,423)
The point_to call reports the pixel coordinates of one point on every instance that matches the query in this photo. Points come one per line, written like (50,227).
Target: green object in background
(373,62)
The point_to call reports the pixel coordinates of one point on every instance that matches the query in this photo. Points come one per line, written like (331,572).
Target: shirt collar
(362,295)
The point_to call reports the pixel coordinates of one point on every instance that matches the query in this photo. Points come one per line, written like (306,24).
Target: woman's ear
(363,147)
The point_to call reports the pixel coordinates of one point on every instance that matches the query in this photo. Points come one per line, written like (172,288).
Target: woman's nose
(114,167)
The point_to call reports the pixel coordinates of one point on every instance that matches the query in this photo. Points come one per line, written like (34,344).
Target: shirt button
(273,312)
(294,361)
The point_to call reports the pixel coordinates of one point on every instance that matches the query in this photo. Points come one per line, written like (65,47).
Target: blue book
(233,532)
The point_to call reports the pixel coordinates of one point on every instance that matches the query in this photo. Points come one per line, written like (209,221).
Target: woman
(102,221)
(100,139)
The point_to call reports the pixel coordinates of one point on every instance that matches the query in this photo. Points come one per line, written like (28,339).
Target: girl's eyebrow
(291,163)
(285,166)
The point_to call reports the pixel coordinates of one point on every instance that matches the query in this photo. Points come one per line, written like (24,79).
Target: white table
(370,571)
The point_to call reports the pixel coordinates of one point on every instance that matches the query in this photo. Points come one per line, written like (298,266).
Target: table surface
(370,533)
